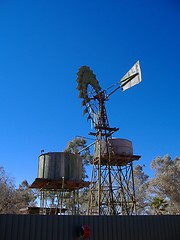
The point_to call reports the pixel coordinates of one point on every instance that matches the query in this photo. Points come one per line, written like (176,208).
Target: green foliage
(159,205)
(75,146)
(26,197)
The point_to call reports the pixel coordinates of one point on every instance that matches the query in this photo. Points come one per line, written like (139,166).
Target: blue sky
(42,45)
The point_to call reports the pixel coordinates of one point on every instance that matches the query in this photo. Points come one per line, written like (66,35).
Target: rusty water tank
(114,146)
(55,165)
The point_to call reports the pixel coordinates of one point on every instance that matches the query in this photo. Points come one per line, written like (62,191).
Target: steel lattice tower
(112,185)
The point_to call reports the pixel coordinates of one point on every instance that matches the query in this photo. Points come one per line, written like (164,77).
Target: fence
(44,227)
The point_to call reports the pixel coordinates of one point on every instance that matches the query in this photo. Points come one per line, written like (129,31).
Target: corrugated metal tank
(116,146)
(55,165)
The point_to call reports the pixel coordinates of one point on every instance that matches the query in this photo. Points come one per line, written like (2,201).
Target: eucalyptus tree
(159,206)
(141,184)
(166,183)
(13,199)
(79,146)
(7,193)
(76,146)
(25,196)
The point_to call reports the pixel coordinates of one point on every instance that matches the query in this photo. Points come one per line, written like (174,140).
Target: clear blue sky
(42,45)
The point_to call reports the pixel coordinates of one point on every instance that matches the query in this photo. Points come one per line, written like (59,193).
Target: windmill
(112,183)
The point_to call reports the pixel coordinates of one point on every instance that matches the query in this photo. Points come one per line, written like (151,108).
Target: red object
(86,232)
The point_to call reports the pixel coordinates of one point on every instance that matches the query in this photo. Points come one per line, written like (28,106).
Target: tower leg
(112,190)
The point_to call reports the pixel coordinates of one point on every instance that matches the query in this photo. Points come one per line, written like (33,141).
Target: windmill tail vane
(132,77)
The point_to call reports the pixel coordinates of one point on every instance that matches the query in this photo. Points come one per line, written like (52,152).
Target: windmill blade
(93,116)
(132,77)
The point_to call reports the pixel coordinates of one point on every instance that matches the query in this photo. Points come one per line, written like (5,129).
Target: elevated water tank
(114,147)
(55,165)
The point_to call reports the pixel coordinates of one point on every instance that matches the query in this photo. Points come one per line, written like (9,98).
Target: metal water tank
(55,165)
(114,146)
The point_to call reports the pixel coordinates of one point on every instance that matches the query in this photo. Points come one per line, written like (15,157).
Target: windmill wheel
(88,87)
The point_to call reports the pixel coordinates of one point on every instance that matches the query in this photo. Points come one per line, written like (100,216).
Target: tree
(12,199)
(25,197)
(166,183)
(159,206)
(141,183)
(8,194)
(76,145)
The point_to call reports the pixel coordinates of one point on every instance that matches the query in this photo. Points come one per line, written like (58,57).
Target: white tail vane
(132,77)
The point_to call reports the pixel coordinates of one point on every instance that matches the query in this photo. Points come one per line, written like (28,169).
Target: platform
(38,210)
(115,159)
(42,183)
